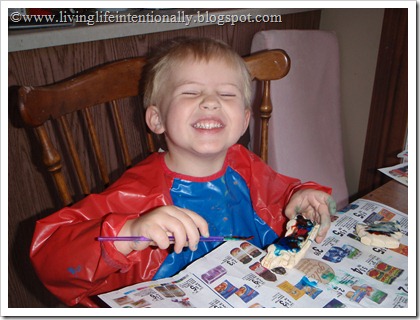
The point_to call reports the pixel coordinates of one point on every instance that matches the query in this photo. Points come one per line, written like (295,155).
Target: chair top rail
(96,86)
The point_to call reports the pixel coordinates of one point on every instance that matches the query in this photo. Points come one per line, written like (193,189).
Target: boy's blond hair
(198,49)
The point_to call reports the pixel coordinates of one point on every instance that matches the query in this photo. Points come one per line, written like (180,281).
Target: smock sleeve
(69,260)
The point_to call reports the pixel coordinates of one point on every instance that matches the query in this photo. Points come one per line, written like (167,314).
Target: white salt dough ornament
(380,234)
(288,251)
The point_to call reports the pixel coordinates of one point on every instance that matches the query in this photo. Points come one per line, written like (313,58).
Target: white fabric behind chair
(305,128)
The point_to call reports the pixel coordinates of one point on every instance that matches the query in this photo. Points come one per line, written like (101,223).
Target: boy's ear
(247,119)
(154,120)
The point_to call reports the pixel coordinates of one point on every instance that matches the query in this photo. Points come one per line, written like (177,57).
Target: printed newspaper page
(398,172)
(337,273)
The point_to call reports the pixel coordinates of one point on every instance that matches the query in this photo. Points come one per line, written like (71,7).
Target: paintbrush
(172,238)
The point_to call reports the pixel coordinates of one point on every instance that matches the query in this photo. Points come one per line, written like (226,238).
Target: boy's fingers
(201,224)
(176,224)
(324,211)
(332,206)
(183,224)
(292,209)
(323,215)
(158,236)
(194,226)
(172,223)
(186,229)
(139,245)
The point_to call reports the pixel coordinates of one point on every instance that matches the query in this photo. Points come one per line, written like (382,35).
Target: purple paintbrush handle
(171,238)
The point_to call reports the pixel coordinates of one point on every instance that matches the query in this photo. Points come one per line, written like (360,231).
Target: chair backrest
(106,85)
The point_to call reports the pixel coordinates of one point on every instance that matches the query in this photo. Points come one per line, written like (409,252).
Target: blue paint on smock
(226,205)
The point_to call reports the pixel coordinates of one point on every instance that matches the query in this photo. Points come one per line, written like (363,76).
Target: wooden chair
(107,85)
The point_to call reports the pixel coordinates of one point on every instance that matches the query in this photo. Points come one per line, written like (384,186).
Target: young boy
(197,94)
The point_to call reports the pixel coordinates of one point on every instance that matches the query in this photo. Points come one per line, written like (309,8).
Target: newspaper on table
(398,172)
(403,155)
(339,272)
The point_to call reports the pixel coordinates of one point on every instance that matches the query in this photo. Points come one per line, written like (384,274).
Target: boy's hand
(160,223)
(314,205)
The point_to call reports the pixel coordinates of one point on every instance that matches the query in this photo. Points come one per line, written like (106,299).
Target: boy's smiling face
(201,109)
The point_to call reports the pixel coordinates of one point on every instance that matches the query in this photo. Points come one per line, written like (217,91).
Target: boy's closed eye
(196,93)
(226,94)
(191,93)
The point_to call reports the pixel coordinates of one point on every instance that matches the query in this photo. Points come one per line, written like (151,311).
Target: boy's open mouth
(208,124)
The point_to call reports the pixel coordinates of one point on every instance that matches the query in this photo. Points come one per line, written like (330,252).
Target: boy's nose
(210,103)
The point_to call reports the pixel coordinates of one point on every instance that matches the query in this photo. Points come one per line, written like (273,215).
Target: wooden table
(393,194)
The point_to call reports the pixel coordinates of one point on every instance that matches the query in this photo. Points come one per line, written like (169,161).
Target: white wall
(358,32)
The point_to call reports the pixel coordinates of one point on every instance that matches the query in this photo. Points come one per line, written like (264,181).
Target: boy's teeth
(207,125)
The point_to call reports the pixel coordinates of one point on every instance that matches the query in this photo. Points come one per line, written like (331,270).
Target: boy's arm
(69,260)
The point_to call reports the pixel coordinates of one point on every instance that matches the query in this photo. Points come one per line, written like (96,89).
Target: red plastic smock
(73,265)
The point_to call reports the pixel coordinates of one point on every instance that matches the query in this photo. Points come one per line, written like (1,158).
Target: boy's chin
(215,149)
